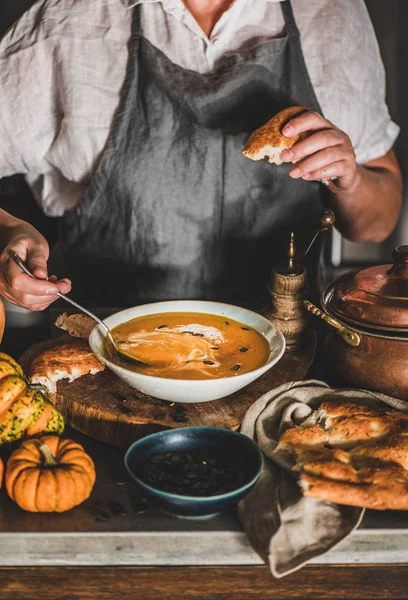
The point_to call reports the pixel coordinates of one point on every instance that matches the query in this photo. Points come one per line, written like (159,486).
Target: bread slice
(269,141)
(79,326)
(67,361)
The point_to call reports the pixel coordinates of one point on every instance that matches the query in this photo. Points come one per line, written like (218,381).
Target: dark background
(390,20)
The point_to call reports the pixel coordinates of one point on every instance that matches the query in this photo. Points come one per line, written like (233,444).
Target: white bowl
(189,390)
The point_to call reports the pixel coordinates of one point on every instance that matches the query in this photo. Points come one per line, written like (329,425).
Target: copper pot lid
(376,297)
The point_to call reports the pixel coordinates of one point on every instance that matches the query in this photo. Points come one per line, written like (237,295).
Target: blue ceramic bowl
(219,444)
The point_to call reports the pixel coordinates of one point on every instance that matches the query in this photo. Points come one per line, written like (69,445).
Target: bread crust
(67,361)
(269,141)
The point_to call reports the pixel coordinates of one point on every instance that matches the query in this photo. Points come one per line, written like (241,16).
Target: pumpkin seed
(236,367)
(160,416)
(188,474)
(244,349)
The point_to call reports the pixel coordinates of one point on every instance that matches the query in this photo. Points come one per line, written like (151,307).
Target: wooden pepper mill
(288,288)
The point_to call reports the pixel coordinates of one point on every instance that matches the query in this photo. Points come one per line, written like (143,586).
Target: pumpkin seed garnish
(161,326)
(244,349)
(236,367)
(179,418)
(102,517)
(245,328)
(226,323)
(208,362)
(214,348)
(160,416)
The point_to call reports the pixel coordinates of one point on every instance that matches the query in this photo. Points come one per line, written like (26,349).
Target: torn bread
(79,326)
(67,361)
(269,141)
(352,454)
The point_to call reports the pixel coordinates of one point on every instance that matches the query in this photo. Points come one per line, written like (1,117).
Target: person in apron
(174,211)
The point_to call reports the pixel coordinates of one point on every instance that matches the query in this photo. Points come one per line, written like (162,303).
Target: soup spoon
(109,335)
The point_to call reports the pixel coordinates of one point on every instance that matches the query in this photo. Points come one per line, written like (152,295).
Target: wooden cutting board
(108,409)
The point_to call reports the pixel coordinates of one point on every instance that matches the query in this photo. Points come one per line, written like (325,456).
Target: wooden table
(107,548)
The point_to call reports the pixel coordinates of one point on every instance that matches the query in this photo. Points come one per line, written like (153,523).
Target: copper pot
(365,343)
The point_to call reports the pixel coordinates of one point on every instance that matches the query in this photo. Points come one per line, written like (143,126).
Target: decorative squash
(23,410)
(49,474)
(50,421)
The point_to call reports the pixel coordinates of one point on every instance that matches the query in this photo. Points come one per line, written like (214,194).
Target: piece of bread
(269,141)
(391,493)
(79,326)
(67,361)
(349,453)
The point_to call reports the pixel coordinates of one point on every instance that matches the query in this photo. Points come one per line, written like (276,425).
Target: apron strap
(136,20)
(289,17)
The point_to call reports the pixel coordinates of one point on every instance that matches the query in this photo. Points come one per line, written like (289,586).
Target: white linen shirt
(63,64)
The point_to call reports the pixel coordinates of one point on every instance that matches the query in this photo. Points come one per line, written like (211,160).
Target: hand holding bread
(320,151)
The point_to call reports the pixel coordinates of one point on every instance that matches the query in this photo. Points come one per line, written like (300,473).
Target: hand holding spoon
(23,266)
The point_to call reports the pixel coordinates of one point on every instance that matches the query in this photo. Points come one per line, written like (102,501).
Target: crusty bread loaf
(269,141)
(352,454)
(67,361)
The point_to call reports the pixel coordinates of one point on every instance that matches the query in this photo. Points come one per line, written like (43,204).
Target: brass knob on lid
(400,268)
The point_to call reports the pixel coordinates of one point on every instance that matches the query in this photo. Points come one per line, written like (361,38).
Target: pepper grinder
(287,289)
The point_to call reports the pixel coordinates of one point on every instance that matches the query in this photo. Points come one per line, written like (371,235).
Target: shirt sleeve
(29,111)
(352,95)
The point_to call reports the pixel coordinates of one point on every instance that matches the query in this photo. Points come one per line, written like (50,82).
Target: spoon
(109,335)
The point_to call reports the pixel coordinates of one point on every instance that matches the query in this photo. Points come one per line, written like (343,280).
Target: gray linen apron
(174,211)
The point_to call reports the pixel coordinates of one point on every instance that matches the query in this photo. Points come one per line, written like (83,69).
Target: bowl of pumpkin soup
(189,350)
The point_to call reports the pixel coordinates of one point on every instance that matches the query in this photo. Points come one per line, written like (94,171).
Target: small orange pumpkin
(49,474)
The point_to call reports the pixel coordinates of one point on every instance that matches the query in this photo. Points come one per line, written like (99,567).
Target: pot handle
(349,336)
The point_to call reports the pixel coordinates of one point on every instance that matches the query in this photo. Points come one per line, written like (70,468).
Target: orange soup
(190,346)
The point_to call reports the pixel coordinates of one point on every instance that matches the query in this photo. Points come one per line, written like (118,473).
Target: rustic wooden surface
(208,583)
(108,409)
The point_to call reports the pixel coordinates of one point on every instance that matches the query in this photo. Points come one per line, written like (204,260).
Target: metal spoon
(26,270)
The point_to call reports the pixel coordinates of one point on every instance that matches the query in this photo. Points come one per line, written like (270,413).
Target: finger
(37,262)
(309,121)
(335,170)
(18,283)
(63,286)
(36,303)
(318,161)
(314,143)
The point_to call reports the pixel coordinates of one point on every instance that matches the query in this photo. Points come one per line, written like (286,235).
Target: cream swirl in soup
(191,346)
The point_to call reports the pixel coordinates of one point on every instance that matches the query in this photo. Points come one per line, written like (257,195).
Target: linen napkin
(286,528)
